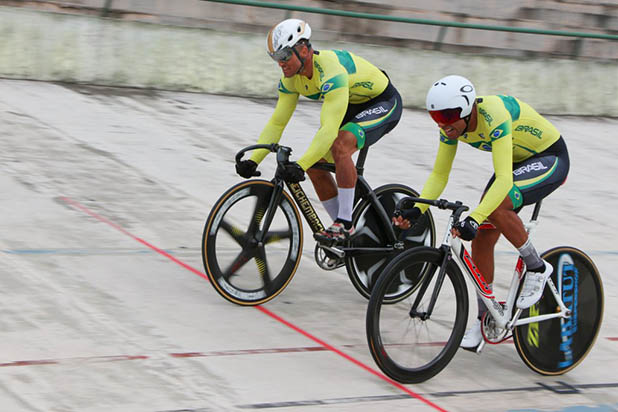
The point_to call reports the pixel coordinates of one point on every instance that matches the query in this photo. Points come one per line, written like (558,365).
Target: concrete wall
(88,49)
(590,16)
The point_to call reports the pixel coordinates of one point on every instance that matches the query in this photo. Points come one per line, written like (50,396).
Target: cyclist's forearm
(331,116)
(494,196)
(319,147)
(502,153)
(433,188)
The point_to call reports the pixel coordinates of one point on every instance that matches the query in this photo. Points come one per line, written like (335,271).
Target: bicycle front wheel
(233,237)
(556,346)
(409,341)
(364,269)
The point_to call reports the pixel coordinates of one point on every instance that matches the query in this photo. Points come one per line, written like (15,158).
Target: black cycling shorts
(371,120)
(538,176)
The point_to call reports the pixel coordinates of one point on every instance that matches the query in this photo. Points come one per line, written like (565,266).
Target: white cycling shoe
(473,337)
(534,283)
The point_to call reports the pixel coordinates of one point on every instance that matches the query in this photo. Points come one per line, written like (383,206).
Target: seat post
(360,161)
(537,210)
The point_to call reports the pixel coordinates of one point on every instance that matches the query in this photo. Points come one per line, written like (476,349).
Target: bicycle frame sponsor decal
(568,288)
(306,207)
(478,277)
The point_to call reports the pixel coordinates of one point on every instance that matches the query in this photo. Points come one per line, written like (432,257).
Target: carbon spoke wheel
(407,342)
(245,265)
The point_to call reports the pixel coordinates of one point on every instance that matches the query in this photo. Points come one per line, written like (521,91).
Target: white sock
(530,256)
(332,206)
(346,203)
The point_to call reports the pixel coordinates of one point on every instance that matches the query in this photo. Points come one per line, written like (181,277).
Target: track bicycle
(415,339)
(258,220)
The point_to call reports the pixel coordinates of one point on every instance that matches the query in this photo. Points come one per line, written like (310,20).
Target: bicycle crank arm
(337,252)
(358,251)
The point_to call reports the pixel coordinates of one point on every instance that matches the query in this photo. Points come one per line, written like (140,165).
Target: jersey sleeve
(286,104)
(336,97)
(502,153)
(437,180)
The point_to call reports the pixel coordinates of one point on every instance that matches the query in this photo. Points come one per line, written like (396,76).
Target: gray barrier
(87,49)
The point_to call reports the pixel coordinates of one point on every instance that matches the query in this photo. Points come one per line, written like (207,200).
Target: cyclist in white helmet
(530,161)
(360,106)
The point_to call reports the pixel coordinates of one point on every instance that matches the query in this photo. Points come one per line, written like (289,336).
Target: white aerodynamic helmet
(450,92)
(283,36)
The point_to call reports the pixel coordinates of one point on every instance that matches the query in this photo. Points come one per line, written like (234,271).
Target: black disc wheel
(555,346)
(371,232)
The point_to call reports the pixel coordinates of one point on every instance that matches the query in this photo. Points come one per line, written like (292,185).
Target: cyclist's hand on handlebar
(292,173)
(247,168)
(405,218)
(465,229)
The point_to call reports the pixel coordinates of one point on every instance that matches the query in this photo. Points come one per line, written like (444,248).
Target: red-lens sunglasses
(446,116)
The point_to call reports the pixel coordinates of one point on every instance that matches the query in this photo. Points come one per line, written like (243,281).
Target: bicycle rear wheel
(364,269)
(229,244)
(407,344)
(556,346)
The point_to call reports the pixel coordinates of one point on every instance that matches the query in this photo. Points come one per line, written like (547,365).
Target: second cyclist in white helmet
(360,105)
(530,161)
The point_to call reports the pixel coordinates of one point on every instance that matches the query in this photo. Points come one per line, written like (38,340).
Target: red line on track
(265,311)
(73,360)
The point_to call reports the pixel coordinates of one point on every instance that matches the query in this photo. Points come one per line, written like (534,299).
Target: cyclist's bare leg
(506,222)
(483,252)
(342,149)
(326,189)
(345,173)
(323,182)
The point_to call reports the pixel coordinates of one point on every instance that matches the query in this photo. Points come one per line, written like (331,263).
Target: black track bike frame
(363,191)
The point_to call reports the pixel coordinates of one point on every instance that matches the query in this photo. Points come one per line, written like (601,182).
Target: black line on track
(560,387)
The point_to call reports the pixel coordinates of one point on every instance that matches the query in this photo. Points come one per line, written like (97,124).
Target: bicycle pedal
(475,349)
(324,240)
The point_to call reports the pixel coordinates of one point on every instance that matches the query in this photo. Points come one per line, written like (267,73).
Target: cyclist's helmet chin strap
(469,117)
(302,62)
(467,120)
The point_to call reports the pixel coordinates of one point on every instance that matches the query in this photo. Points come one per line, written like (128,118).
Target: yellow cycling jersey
(339,78)
(508,128)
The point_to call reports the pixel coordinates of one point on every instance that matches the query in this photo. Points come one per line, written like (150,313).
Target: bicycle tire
(556,346)
(386,324)
(226,234)
(363,270)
